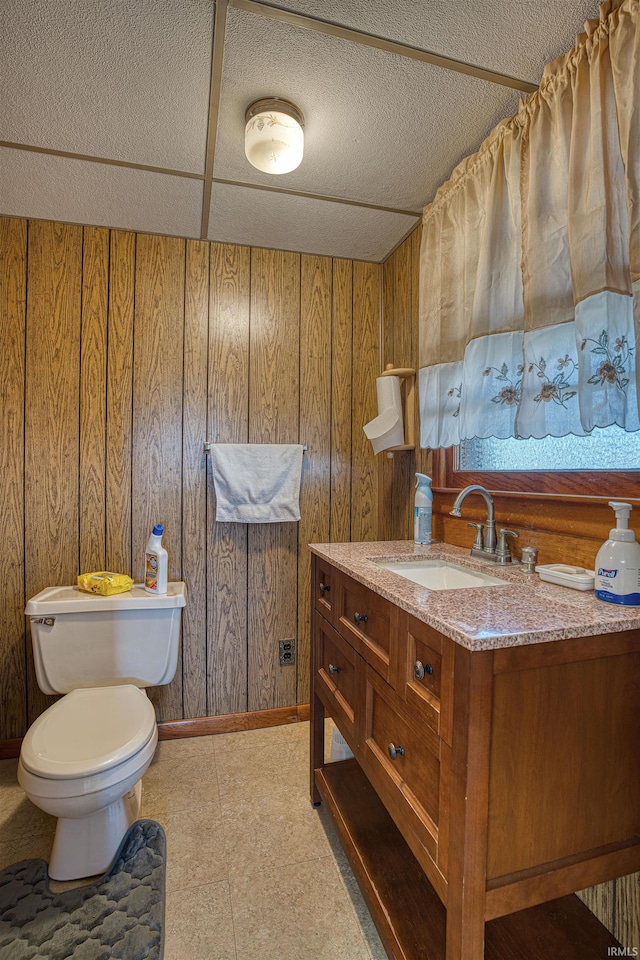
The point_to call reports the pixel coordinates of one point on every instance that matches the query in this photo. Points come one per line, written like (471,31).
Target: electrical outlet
(287,652)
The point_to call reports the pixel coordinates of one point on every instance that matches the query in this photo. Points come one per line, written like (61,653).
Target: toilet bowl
(82,761)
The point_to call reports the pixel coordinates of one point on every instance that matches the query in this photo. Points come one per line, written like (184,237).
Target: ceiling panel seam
(217,57)
(169,172)
(90,158)
(333,29)
(328,198)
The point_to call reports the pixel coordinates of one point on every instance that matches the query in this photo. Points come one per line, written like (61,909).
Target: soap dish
(567,576)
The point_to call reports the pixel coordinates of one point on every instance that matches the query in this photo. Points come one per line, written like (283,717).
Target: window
(604,464)
(598,451)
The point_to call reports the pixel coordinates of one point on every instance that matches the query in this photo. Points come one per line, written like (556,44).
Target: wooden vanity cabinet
(508,779)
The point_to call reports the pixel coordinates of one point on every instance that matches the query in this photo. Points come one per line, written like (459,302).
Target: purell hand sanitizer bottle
(618,562)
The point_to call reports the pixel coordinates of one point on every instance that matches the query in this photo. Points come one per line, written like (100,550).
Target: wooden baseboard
(232,722)
(202,726)
(9,749)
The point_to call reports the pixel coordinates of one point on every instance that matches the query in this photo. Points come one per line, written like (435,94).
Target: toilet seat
(89,732)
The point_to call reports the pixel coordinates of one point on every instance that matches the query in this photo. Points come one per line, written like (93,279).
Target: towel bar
(209,443)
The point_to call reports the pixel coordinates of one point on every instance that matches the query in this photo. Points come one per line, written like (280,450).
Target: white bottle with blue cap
(618,562)
(156,563)
(422,509)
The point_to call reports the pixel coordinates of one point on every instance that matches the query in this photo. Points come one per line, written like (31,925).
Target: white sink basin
(440,574)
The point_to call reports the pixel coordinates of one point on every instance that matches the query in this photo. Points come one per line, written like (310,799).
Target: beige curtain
(531,257)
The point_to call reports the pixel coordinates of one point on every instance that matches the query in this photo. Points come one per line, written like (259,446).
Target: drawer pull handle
(360,618)
(421,668)
(333,669)
(325,587)
(394,751)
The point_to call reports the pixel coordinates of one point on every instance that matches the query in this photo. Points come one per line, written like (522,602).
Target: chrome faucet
(485,548)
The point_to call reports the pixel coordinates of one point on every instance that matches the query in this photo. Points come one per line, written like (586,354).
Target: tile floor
(254,872)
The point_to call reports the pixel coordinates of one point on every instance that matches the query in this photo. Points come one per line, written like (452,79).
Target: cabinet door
(323,587)
(337,678)
(427,675)
(364,619)
(403,760)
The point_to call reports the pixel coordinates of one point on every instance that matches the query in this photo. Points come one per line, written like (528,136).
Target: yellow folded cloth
(104,583)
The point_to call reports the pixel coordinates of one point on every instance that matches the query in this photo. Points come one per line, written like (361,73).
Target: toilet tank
(85,640)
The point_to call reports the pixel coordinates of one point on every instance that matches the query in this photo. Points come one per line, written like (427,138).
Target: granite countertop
(525,609)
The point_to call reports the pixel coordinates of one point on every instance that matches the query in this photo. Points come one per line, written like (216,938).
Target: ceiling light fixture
(273,137)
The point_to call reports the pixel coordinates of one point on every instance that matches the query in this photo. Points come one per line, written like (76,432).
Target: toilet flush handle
(47,621)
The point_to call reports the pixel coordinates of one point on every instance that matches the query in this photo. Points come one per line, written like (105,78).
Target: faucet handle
(478,543)
(502,551)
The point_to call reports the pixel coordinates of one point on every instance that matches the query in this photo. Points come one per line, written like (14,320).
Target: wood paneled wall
(400,347)
(559,528)
(120,354)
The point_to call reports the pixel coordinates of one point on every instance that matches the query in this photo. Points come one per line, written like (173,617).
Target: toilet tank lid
(71,600)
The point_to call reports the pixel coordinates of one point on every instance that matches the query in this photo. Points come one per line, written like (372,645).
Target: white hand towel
(257,482)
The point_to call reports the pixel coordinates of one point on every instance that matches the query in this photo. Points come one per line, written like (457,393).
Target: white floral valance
(530,259)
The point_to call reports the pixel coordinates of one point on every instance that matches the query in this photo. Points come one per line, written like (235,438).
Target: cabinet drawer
(336,676)
(364,618)
(402,761)
(323,587)
(428,676)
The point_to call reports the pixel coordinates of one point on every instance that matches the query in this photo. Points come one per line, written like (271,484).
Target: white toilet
(83,759)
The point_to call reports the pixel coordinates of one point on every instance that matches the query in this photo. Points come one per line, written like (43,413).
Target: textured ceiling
(123,79)
(106,108)
(512,38)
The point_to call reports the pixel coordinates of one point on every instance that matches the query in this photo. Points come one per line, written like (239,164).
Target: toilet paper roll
(387,429)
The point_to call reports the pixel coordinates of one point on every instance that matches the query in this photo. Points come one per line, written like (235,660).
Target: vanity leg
(317,744)
(466,898)
(316,717)
(465,933)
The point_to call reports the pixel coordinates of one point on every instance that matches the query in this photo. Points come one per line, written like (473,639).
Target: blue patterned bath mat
(119,916)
